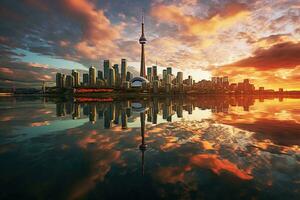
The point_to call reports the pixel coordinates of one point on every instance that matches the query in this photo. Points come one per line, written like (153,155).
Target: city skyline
(256,40)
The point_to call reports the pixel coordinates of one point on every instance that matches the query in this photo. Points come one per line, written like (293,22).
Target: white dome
(137,81)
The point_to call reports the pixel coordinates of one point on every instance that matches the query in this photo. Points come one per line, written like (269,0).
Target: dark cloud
(284,55)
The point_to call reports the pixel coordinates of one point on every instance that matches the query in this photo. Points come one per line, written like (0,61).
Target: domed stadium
(137,82)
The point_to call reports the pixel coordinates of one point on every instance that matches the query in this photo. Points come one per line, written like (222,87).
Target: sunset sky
(256,39)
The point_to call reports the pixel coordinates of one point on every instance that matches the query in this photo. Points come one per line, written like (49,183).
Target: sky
(255,39)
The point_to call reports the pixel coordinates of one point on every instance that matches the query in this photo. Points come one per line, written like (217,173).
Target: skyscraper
(179,78)
(128,76)
(169,70)
(143,41)
(117,74)
(58,80)
(85,79)
(69,81)
(149,74)
(76,78)
(92,76)
(100,75)
(164,75)
(190,81)
(123,69)
(154,72)
(111,78)
(106,66)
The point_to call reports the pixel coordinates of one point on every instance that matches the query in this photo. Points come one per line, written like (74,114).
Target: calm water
(196,148)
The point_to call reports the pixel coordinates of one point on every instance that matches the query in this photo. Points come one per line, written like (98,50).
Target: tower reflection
(117,113)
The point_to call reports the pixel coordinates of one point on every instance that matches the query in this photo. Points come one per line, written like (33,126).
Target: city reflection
(238,146)
(167,107)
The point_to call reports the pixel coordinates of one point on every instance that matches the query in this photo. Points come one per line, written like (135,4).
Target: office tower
(179,78)
(100,75)
(69,81)
(76,78)
(123,70)
(169,70)
(128,76)
(106,66)
(156,86)
(85,79)
(117,74)
(142,41)
(164,75)
(111,78)
(149,74)
(58,80)
(116,68)
(169,79)
(154,72)
(190,81)
(92,76)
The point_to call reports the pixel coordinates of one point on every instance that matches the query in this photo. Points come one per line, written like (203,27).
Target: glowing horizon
(259,40)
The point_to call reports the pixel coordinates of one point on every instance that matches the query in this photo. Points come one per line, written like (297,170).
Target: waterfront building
(59,80)
(85,79)
(106,67)
(154,72)
(179,78)
(129,76)
(156,86)
(164,75)
(117,75)
(190,81)
(138,82)
(123,69)
(69,81)
(149,74)
(169,79)
(92,76)
(169,70)
(111,78)
(76,77)
(100,75)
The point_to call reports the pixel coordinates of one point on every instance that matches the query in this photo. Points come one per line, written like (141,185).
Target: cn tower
(142,41)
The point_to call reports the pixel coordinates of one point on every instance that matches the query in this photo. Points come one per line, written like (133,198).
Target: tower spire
(142,41)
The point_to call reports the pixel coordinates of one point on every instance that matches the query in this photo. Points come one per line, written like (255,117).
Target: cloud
(196,26)
(283,55)
(6,70)
(276,67)
(98,32)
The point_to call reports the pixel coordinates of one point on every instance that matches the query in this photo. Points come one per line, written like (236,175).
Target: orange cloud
(98,33)
(217,165)
(6,70)
(192,25)
(284,55)
(276,67)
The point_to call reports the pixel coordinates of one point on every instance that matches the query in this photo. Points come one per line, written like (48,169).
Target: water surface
(192,148)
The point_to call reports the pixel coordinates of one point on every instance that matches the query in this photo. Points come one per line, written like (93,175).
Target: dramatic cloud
(189,35)
(276,67)
(193,25)
(284,55)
